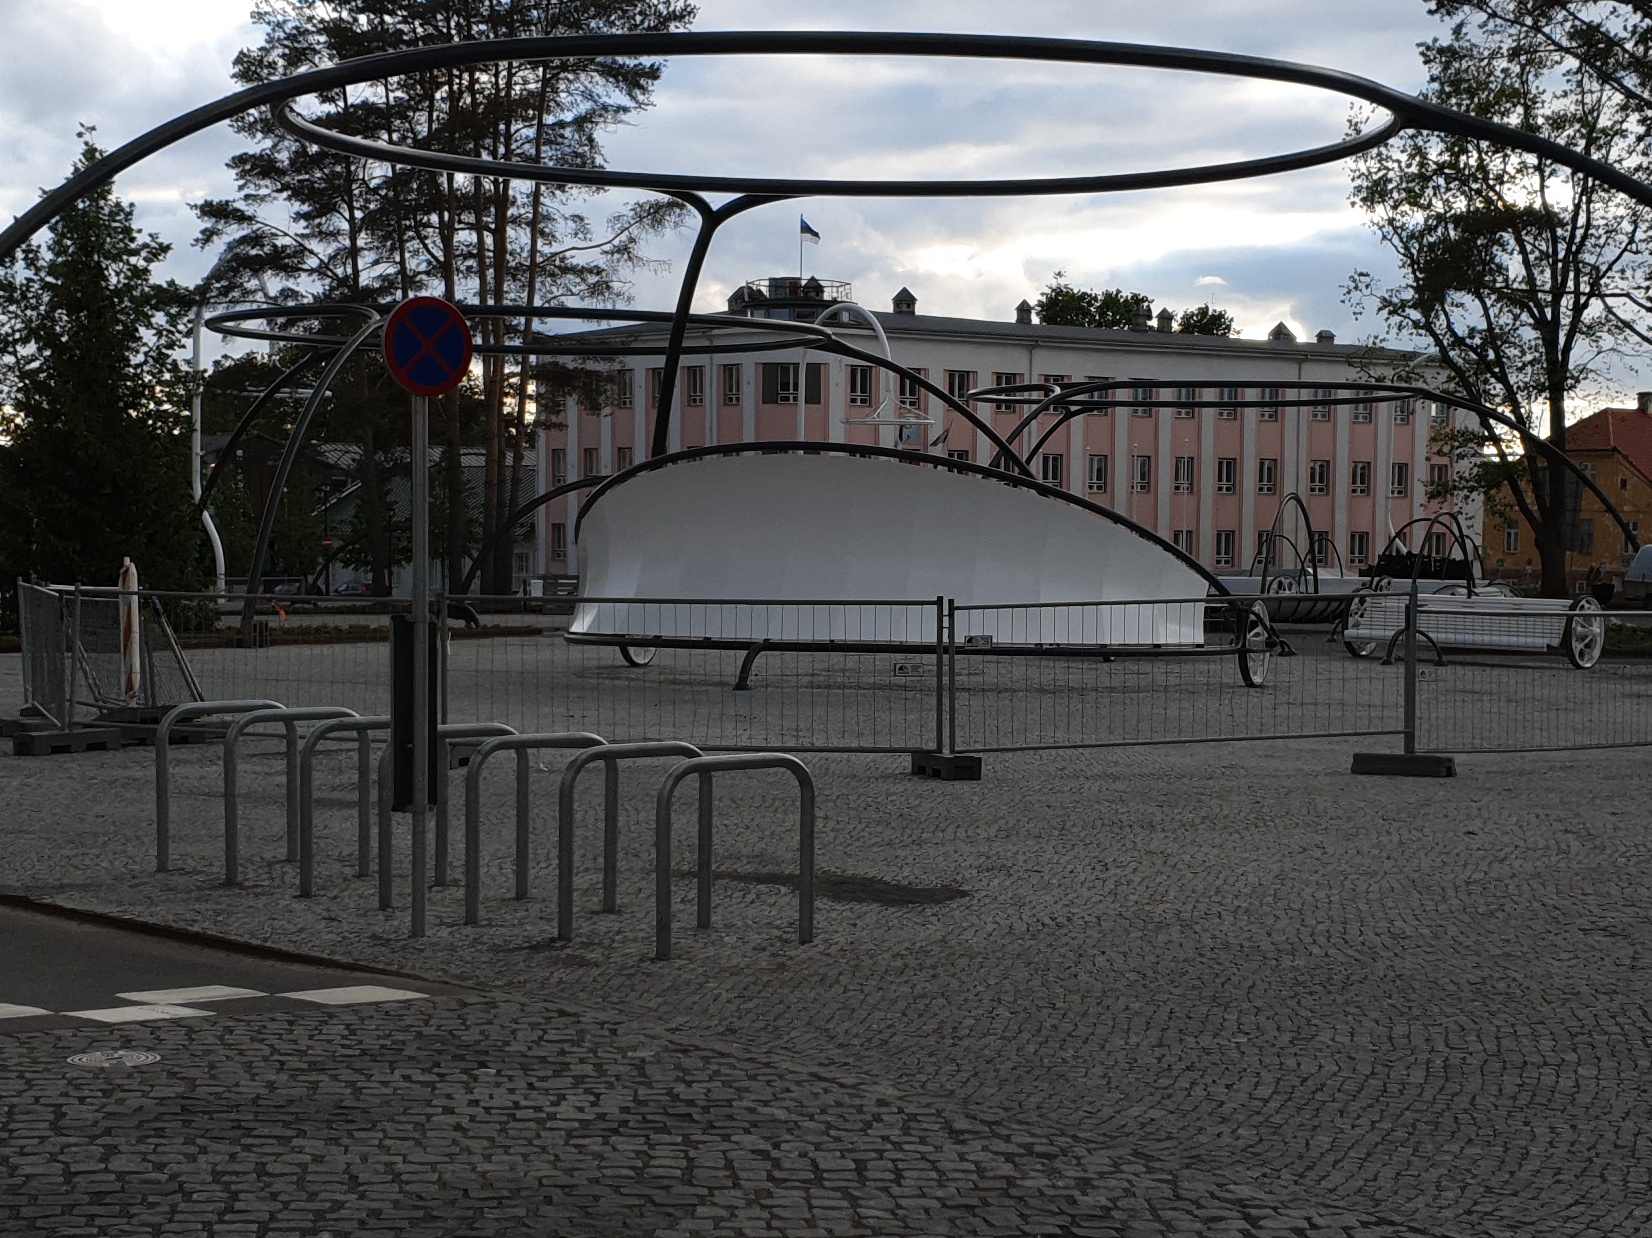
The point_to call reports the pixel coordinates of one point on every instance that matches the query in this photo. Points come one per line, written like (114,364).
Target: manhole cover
(114,1057)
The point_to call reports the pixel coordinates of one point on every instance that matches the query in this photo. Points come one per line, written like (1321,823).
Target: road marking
(8,1011)
(201,993)
(137,1014)
(351,994)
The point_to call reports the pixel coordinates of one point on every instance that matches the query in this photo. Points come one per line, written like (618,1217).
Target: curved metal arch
(869,451)
(522,512)
(269,393)
(1453,524)
(1310,560)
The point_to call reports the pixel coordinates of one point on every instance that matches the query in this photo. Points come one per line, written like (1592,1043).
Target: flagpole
(800,249)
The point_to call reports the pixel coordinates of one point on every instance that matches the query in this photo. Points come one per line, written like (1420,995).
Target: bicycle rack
(705,768)
(363,727)
(289,718)
(163,764)
(521,745)
(453,735)
(610,755)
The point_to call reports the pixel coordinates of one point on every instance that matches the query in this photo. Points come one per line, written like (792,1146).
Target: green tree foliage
(1062,305)
(94,460)
(1204,320)
(1608,40)
(1521,277)
(314,224)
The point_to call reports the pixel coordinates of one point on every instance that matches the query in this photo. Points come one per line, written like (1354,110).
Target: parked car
(1637,581)
(353,589)
(293,594)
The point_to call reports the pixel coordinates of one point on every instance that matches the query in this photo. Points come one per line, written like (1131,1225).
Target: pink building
(1209,479)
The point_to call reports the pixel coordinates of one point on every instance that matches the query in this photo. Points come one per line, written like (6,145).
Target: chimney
(904,302)
(1166,321)
(1643,401)
(1141,319)
(1326,337)
(1023,313)
(1282,334)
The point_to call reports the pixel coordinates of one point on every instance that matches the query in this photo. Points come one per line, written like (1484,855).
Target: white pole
(419,483)
(195,452)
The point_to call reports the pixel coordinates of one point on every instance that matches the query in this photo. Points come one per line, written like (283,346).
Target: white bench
(1499,623)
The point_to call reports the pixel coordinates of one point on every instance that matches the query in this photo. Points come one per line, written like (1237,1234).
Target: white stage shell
(867,541)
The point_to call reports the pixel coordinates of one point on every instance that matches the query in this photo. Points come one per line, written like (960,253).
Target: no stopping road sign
(427,346)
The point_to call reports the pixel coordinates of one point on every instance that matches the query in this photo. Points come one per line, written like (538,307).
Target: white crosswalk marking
(200,993)
(9,1011)
(352,994)
(137,1014)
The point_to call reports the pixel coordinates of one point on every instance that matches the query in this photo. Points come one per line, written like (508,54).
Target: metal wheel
(1282,584)
(638,655)
(1585,635)
(1356,612)
(1256,642)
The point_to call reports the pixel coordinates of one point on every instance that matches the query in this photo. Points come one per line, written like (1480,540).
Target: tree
(346,230)
(1203,320)
(1521,276)
(1609,41)
(1062,305)
(94,461)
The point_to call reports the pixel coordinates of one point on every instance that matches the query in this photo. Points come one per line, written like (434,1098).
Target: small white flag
(807,233)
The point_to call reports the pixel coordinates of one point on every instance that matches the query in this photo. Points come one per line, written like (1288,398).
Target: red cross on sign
(427,346)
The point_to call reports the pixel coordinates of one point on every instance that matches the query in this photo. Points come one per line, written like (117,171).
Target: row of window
(1227,472)
(1185,540)
(780,379)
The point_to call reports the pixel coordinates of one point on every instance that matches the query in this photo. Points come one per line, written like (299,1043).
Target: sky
(1268,250)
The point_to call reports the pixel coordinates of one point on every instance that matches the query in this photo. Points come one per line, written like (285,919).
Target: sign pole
(419,483)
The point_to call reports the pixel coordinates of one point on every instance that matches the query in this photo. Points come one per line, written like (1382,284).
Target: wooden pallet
(57,743)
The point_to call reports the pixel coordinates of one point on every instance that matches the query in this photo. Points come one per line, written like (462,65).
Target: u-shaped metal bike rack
(452,735)
(521,745)
(289,718)
(363,729)
(610,755)
(705,768)
(163,764)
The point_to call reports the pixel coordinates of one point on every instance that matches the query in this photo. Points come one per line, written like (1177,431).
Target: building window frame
(1141,474)
(1096,473)
(1359,477)
(1227,474)
(1267,474)
(1183,480)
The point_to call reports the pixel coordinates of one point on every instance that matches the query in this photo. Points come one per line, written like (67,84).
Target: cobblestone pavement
(1222,967)
(487,1117)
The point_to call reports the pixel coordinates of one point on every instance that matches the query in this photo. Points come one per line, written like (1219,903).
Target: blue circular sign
(427,346)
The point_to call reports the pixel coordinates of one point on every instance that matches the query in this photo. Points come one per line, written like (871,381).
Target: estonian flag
(806,233)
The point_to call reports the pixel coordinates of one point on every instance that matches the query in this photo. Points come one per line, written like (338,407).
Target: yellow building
(1614,448)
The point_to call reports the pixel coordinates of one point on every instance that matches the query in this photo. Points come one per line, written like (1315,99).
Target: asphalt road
(58,971)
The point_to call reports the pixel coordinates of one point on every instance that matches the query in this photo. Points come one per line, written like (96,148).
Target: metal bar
(419,468)
(163,764)
(363,728)
(74,661)
(940,685)
(449,736)
(703,893)
(610,836)
(387,825)
(1411,617)
(522,823)
(473,804)
(232,801)
(364,804)
(951,676)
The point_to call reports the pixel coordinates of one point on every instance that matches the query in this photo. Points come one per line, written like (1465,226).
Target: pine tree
(94,461)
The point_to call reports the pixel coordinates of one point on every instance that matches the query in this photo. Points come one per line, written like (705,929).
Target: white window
(592,462)
(1184,475)
(1362,410)
(1264,544)
(1319,477)
(1402,413)
(1435,546)
(1359,477)
(910,396)
(1439,474)
(1049,468)
(1185,396)
(625,389)
(559,466)
(1399,479)
(860,386)
(1224,547)
(1106,394)
(1141,474)
(1182,540)
(1003,378)
(1321,407)
(958,453)
(1227,473)
(1322,548)
(731,384)
(1359,549)
(1511,539)
(1440,418)
(1269,409)
(1267,475)
(1142,396)
(624,458)
(786,385)
(1228,396)
(959,383)
(1055,380)
(559,542)
(1097,475)
(694,385)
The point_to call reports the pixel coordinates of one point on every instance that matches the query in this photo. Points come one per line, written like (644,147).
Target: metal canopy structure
(1403,112)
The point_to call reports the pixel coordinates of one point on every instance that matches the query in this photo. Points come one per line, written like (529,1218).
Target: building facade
(1208,479)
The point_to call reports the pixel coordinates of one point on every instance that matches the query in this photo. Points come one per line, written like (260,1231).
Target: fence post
(1411,671)
(951,676)
(940,682)
(74,665)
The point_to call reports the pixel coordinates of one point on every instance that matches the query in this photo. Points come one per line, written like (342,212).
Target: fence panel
(1473,704)
(44,624)
(1121,673)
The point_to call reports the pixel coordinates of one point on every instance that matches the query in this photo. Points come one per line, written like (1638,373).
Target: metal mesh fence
(45,641)
(1158,673)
